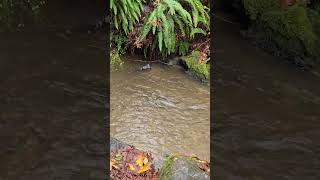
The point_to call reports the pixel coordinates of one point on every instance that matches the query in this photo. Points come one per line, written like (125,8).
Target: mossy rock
(255,8)
(292,33)
(200,71)
(181,167)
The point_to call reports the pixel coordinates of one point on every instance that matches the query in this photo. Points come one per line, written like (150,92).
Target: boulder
(183,167)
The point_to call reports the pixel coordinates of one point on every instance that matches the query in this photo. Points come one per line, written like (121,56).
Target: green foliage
(183,48)
(116,62)
(12,12)
(125,13)
(292,32)
(314,18)
(290,25)
(165,171)
(118,41)
(201,70)
(255,8)
(317,7)
(171,25)
(199,14)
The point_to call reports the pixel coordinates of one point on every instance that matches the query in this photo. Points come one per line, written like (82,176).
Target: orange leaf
(140,159)
(113,164)
(144,168)
(131,167)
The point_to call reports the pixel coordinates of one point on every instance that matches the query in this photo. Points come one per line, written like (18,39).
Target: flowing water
(52,104)
(162,110)
(266,113)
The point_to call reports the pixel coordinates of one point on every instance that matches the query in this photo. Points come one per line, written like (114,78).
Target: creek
(162,111)
(266,113)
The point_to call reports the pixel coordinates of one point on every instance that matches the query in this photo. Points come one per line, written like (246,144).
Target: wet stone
(185,169)
(115,144)
(182,167)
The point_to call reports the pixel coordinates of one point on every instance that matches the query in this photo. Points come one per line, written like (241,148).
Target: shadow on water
(267,116)
(53,89)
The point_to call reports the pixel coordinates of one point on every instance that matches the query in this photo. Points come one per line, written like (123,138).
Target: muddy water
(162,110)
(53,104)
(267,116)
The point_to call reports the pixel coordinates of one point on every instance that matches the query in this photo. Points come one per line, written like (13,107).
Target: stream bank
(127,162)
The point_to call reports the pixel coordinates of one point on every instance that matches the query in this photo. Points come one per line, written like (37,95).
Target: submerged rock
(184,167)
(145,67)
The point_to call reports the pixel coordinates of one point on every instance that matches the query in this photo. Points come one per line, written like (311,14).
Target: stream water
(162,111)
(266,113)
(53,102)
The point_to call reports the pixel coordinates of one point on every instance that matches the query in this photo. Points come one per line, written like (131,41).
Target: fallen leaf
(113,164)
(140,159)
(144,168)
(131,167)
(118,157)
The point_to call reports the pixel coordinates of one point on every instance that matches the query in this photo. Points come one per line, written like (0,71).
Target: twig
(151,61)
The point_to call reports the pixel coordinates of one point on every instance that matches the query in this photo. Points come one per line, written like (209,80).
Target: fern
(197,30)
(199,13)
(125,13)
(172,25)
(183,48)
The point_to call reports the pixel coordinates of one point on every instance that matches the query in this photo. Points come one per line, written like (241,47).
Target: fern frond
(197,30)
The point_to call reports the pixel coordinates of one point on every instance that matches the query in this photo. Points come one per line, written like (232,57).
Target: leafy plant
(255,8)
(118,41)
(125,13)
(170,25)
(116,62)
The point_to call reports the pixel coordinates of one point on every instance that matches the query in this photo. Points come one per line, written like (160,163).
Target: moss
(202,70)
(165,172)
(290,26)
(116,62)
(255,8)
(175,165)
(290,33)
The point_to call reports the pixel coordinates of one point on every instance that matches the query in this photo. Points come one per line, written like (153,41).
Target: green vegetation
(291,32)
(125,13)
(196,167)
(199,70)
(160,28)
(14,12)
(165,171)
(172,25)
(255,8)
(115,60)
